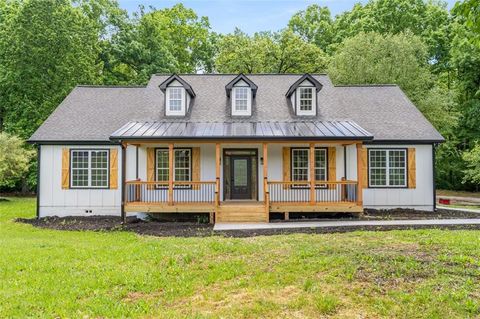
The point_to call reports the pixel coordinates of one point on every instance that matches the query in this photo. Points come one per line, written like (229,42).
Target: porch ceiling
(315,130)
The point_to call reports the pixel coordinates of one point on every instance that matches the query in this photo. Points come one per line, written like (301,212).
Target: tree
(168,40)
(267,52)
(470,10)
(314,25)
(373,58)
(428,20)
(52,46)
(14,160)
(472,159)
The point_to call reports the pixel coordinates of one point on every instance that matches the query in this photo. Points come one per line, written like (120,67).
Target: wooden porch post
(170,173)
(360,172)
(312,173)
(266,193)
(217,179)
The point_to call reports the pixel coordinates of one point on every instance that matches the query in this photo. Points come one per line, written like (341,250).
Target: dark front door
(241,181)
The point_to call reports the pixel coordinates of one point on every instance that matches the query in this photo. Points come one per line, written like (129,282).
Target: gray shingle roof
(318,130)
(93,113)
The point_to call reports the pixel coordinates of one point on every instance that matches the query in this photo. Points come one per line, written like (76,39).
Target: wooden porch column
(170,173)
(266,193)
(360,172)
(217,179)
(312,173)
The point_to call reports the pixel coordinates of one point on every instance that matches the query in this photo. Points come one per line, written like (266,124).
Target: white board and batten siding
(420,197)
(55,201)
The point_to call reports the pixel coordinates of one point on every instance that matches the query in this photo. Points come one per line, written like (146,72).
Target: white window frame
(246,112)
(387,168)
(317,149)
(89,168)
(298,94)
(174,167)
(169,111)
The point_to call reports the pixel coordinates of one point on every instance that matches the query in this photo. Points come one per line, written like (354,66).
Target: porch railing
(324,191)
(182,192)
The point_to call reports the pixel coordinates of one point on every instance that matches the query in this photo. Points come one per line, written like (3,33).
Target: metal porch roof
(317,130)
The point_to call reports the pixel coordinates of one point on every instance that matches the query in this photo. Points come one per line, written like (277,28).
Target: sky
(248,15)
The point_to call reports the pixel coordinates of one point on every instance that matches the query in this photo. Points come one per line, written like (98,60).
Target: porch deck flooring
(344,223)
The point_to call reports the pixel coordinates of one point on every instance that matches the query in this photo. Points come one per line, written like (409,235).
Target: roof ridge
(366,85)
(100,86)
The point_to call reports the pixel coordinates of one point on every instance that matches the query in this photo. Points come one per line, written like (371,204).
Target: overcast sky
(248,15)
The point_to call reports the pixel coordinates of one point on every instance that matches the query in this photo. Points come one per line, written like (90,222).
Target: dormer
(303,95)
(178,96)
(241,91)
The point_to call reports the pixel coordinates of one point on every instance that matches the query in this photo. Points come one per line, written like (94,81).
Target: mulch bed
(194,229)
(110,223)
(374,214)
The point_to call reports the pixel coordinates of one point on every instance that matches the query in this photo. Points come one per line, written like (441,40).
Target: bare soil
(195,229)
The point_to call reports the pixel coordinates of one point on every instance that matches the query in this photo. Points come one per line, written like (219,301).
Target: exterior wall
(55,201)
(420,198)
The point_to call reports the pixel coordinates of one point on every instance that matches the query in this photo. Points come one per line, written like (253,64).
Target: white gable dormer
(241,98)
(175,100)
(305,99)
(178,96)
(303,95)
(241,91)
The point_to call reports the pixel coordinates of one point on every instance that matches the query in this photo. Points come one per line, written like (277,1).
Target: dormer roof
(305,77)
(240,77)
(163,86)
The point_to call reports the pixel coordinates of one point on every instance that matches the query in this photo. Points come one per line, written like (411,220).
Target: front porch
(269,193)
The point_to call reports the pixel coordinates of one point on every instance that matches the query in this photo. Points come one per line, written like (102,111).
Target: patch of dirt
(110,223)
(194,229)
(399,213)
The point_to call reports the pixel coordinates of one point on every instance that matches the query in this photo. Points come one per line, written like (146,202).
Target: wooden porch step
(253,212)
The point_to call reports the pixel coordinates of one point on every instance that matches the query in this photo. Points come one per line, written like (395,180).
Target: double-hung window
(182,159)
(387,167)
(300,159)
(175,101)
(306,99)
(241,99)
(89,168)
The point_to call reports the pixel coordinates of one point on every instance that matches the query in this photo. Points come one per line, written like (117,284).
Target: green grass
(404,274)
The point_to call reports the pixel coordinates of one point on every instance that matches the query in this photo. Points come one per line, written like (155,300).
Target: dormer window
(305,99)
(241,91)
(242,101)
(175,101)
(302,95)
(179,96)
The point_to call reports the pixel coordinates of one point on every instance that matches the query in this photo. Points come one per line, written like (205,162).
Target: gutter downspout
(433,177)
(124,216)
(39,152)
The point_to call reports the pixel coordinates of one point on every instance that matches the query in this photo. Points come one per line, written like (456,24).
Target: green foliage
(472,159)
(400,59)
(14,160)
(314,25)
(51,47)
(267,52)
(160,41)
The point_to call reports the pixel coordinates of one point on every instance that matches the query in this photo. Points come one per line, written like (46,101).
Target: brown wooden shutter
(196,166)
(150,166)
(286,165)
(412,169)
(332,166)
(113,168)
(65,168)
(363,167)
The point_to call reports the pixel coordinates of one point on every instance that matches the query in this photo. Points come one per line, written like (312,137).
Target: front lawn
(406,274)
